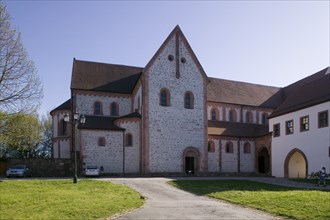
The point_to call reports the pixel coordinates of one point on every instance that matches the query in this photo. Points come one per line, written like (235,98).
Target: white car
(18,171)
(92,171)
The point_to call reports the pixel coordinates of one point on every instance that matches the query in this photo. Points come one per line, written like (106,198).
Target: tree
(45,148)
(21,135)
(20,86)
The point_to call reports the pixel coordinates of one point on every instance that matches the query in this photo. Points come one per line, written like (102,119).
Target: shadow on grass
(312,181)
(203,187)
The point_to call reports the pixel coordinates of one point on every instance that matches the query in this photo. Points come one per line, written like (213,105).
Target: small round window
(170,57)
(183,60)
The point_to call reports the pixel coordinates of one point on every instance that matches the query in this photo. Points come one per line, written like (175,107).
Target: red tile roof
(312,90)
(241,93)
(88,75)
(236,129)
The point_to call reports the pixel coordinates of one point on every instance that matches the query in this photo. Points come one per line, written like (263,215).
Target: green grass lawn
(313,181)
(61,199)
(284,201)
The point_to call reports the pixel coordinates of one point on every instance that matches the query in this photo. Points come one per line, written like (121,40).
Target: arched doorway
(190,161)
(295,165)
(263,161)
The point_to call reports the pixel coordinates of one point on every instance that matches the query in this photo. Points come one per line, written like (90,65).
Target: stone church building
(168,117)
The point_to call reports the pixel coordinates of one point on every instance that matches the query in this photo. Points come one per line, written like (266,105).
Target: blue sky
(271,42)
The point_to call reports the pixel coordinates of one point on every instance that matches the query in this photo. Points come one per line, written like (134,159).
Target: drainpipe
(123,152)
(239,155)
(141,141)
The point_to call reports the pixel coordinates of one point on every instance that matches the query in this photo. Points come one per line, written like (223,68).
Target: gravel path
(167,202)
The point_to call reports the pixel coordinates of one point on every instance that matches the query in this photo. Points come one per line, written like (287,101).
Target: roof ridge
(112,64)
(236,81)
(308,79)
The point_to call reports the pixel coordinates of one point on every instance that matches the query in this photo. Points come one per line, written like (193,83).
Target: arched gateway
(190,160)
(295,165)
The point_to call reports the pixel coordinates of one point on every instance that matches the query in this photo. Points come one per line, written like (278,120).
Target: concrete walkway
(271,180)
(286,182)
(167,202)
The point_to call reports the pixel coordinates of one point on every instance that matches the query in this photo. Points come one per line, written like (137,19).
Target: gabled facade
(167,117)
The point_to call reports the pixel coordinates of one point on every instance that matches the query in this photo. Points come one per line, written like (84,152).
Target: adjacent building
(300,127)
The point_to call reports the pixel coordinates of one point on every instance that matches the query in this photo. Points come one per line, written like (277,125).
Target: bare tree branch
(20,85)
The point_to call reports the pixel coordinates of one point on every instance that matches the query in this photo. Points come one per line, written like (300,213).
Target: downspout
(73,135)
(141,132)
(220,156)
(141,148)
(123,152)
(239,155)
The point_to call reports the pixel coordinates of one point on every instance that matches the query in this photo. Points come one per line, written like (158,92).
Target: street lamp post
(76,121)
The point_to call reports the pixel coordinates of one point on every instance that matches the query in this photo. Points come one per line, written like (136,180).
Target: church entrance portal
(190,161)
(190,167)
(263,161)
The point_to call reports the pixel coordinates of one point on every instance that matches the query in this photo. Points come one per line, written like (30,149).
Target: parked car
(18,171)
(92,171)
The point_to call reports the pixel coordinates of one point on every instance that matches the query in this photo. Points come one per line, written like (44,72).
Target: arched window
(247,148)
(229,147)
(164,97)
(63,128)
(189,100)
(248,117)
(101,141)
(210,147)
(264,118)
(98,108)
(232,115)
(114,109)
(129,140)
(214,114)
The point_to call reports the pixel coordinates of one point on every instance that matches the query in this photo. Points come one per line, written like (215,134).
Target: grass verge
(278,200)
(61,199)
(313,181)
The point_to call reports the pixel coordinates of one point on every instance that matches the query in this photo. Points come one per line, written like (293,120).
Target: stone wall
(61,147)
(214,157)
(229,160)
(137,99)
(85,104)
(46,167)
(132,153)
(174,128)
(224,108)
(247,160)
(110,156)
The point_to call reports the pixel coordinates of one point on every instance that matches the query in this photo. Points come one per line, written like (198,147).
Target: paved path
(167,202)
(271,180)
(286,182)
